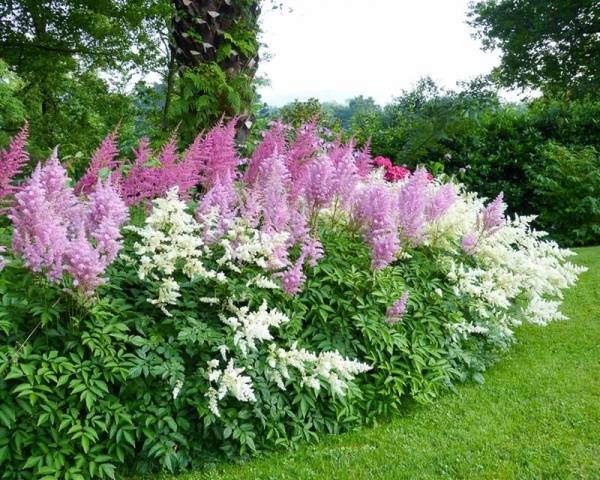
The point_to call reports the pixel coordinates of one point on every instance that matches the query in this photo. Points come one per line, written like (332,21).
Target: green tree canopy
(549,44)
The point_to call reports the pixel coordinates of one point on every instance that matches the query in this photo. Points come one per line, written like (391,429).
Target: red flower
(382,162)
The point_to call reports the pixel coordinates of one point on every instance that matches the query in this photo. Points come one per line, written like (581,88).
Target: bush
(243,308)
(567,193)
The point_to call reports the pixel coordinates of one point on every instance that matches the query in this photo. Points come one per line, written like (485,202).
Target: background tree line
(74,70)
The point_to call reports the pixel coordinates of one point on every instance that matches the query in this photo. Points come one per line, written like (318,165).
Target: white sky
(337,49)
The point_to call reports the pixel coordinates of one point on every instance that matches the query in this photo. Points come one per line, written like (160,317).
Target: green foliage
(298,112)
(522,411)
(552,45)
(567,193)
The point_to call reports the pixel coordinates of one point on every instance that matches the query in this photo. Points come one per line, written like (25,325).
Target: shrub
(302,295)
(567,193)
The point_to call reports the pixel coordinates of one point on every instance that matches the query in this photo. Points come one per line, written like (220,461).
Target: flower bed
(169,311)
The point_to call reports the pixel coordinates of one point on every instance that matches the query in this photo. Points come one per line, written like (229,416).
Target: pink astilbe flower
(493,216)
(293,278)
(312,250)
(273,143)
(143,181)
(12,161)
(55,232)
(40,233)
(364,161)
(271,188)
(322,183)
(304,148)
(217,206)
(469,243)
(104,158)
(412,200)
(395,313)
(82,262)
(217,153)
(440,202)
(346,179)
(375,213)
(106,213)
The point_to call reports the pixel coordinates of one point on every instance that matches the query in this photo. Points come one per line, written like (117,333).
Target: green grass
(536,417)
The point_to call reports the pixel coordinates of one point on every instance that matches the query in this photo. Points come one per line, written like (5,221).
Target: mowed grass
(536,417)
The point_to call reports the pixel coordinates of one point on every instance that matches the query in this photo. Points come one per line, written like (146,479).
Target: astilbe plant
(55,232)
(104,160)
(12,161)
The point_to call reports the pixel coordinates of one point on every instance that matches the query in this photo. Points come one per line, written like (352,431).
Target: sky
(337,49)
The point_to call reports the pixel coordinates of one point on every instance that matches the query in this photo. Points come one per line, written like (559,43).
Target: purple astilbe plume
(440,202)
(395,313)
(188,169)
(82,262)
(412,200)
(217,153)
(293,278)
(339,151)
(493,216)
(106,213)
(217,209)
(322,183)
(364,161)
(40,233)
(12,161)
(312,250)
(346,178)
(469,243)
(303,149)
(271,187)
(55,232)
(104,158)
(273,143)
(143,181)
(375,214)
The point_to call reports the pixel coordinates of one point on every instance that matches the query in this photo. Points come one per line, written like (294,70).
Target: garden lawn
(537,416)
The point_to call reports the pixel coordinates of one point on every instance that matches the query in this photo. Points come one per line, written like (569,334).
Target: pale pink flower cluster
(55,232)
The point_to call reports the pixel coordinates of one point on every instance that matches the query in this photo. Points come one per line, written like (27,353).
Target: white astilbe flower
(227,381)
(253,327)
(177,389)
(262,281)
(512,263)
(330,367)
(243,245)
(170,241)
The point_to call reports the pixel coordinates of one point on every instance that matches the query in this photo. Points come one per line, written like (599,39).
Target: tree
(553,45)
(65,50)
(215,46)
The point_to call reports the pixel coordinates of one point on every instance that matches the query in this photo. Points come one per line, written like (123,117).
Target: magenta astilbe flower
(220,203)
(382,162)
(143,181)
(493,216)
(396,173)
(469,243)
(12,161)
(322,183)
(440,202)
(412,200)
(104,158)
(217,153)
(375,213)
(364,161)
(107,212)
(273,143)
(395,313)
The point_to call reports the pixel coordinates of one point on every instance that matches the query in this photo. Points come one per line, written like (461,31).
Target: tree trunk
(203,28)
